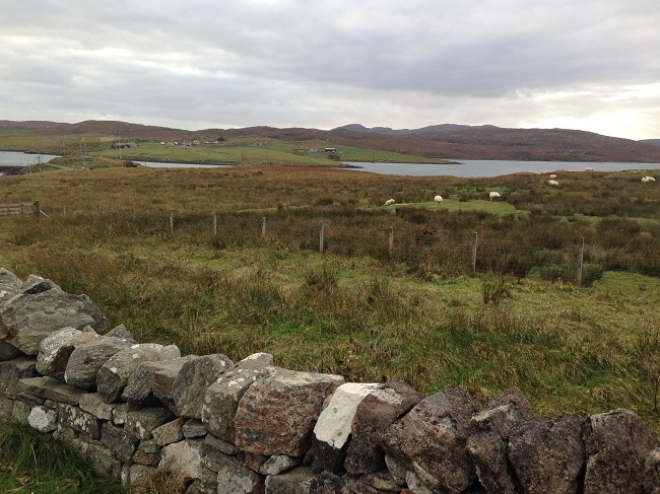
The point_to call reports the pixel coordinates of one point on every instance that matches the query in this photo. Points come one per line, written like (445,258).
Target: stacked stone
(252,428)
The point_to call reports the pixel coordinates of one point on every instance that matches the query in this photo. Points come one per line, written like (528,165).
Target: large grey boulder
(234,478)
(86,360)
(548,455)
(12,371)
(113,375)
(652,472)
(192,382)
(49,347)
(47,388)
(10,284)
(122,333)
(8,351)
(431,440)
(222,397)
(279,410)
(152,381)
(487,444)
(296,481)
(617,444)
(142,422)
(79,420)
(56,349)
(94,404)
(374,415)
(183,458)
(121,442)
(333,427)
(41,308)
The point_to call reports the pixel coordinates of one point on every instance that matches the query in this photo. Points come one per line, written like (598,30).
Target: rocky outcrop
(40,308)
(113,375)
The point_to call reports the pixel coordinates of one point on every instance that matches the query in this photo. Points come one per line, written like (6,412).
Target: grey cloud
(299,62)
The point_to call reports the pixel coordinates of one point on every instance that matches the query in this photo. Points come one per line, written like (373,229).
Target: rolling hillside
(441,141)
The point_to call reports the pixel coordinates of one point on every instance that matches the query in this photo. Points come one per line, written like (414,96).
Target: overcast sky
(590,64)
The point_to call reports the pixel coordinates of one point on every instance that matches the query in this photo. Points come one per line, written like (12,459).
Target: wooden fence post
(215,223)
(580,261)
(263,228)
(474,253)
(37,209)
(133,208)
(391,243)
(172,221)
(321,238)
(63,210)
(98,209)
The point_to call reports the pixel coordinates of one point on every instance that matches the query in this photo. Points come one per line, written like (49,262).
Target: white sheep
(553,176)
(389,202)
(494,195)
(438,199)
(647,179)
(588,169)
(554,183)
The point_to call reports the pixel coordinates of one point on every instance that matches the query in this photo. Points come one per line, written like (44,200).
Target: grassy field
(418,313)
(246,151)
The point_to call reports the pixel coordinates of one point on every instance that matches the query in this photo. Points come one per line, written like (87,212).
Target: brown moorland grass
(417,314)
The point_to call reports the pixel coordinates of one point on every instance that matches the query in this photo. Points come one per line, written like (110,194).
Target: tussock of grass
(34,463)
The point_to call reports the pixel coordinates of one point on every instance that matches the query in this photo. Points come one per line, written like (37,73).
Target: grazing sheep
(588,169)
(647,179)
(438,199)
(554,183)
(553,176)
(389,202)
(494,195)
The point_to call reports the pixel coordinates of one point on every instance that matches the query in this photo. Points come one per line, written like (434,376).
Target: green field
(245,151)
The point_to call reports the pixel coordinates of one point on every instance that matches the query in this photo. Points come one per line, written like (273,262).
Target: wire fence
(422,248)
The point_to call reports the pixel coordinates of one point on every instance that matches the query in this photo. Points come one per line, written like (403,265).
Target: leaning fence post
(37,209)
(391,243)
(172,221)
(215,223)
(474,253)
(263,227)
(321,238)
(580,261)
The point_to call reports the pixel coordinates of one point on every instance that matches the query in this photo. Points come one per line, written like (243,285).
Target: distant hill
(437,141)
(431,128)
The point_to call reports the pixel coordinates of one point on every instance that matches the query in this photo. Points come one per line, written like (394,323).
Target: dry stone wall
(251,427)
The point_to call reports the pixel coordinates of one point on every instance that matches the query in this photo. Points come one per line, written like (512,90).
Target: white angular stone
(43,419)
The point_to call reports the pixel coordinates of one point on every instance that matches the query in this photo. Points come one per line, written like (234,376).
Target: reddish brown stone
(278,412)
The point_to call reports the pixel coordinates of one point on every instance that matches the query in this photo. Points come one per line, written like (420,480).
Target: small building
(121,145)
(330,150)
